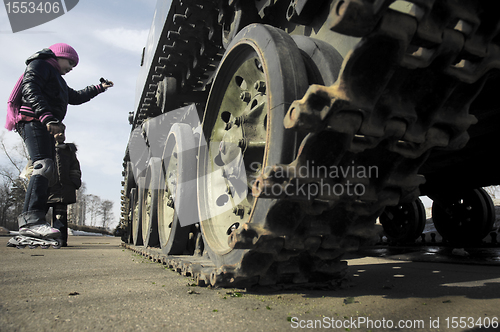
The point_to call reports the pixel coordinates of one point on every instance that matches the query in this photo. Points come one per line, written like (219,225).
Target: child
(63,192)
(36,109)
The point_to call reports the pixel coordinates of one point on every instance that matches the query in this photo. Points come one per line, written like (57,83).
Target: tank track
(450,55)
(285,274)
(190,54)
(193,32)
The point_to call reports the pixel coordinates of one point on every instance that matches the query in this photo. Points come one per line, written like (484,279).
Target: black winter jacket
(45,94)
(69,175)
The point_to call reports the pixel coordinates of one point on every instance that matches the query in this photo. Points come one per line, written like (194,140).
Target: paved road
(94,284)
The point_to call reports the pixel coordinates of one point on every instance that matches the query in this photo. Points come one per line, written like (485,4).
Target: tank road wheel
(235,17)
(465,218)
(136,203)
(128,184)
(323,62)
(130,226)
(261,73)
(491,213)
(177,194)
(404,223)
(149,204)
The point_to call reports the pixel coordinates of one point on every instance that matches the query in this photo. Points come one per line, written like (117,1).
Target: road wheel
(261,74)
(137,195)
(491,213)
(404,223)
(177,193)
(462,218)
(323,62)
(149,204)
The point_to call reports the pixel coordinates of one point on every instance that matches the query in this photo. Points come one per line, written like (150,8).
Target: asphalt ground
(97,285)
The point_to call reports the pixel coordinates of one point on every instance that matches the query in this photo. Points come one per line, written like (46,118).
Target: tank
(269,136)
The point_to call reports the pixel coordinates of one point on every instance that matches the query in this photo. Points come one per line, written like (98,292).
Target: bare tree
(12,187)
(17,155)
(106,212)
(4,203)
(93,204)
(78,210)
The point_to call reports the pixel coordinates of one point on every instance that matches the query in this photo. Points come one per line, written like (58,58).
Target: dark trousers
(40,145)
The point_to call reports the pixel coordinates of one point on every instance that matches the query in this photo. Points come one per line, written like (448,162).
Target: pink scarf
(14,102)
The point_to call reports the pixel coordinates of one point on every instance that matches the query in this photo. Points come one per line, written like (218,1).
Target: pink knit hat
(62,50)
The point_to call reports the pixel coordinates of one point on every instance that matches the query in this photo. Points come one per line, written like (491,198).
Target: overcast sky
(109,36)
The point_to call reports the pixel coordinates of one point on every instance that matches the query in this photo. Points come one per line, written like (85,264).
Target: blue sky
(109,36)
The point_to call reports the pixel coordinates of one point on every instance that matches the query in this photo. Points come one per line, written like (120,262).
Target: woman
(42,97)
